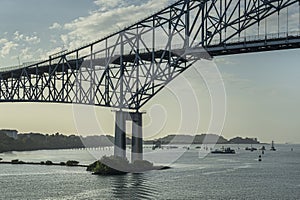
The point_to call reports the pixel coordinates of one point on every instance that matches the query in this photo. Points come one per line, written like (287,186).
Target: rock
(71,163)
(106,166)
(48,162)
(141,166)
(115,165)
(62,163)
(163,167)
(16,161)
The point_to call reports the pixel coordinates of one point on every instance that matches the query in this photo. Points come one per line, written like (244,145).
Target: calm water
(238,176)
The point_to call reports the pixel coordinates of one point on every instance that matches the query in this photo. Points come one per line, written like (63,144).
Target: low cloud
(3,41)
(7,47)
(111,16)
(55,26)
(105,5)
(32,39)
(25,54)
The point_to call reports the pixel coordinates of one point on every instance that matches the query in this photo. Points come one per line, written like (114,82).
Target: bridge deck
(289,42)
(45,69)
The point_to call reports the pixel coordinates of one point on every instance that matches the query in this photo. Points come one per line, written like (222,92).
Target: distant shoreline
(37,141)
(150,145)
(37,163)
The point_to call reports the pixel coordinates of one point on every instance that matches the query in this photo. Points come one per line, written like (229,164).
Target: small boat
(263,148)
(223,151)
(272,147)
(156,145)
(250,149)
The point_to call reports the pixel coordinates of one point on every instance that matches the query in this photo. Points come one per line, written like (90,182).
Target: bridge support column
(120,134)
(137,136)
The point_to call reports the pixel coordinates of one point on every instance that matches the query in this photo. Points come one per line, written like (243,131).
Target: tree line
(36,141)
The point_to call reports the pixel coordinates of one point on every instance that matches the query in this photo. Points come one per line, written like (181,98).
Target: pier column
(137,136)
(120,134)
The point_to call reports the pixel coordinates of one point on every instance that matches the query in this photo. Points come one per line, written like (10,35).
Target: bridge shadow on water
(133,186)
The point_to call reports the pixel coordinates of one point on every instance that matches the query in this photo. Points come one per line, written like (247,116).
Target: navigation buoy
(259,158)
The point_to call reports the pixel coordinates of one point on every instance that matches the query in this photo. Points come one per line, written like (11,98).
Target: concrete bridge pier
(137,134)
(120,134)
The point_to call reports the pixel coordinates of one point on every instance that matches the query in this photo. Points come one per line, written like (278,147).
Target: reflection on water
(133,186)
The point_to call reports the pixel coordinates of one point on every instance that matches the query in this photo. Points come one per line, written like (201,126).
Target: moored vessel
(223,151)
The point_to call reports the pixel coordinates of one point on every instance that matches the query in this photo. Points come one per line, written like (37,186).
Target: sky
(262,89)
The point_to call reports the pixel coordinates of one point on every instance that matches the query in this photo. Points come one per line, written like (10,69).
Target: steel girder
(126,69)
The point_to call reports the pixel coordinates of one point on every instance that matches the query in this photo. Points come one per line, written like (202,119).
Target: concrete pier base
(137,137)
(137,134)
(120,134)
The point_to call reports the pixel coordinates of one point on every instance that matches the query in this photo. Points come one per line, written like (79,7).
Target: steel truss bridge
(126,69)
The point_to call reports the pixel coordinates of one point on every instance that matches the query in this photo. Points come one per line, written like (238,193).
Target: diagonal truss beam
(126,69)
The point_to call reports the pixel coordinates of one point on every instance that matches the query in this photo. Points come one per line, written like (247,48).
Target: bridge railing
(28,64)
(23,65)
(261,37)
(251,38)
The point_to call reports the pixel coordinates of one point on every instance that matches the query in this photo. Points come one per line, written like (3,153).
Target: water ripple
(133,186)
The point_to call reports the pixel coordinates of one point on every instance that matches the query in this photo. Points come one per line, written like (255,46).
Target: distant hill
(96,141)
(209,139)
(198,139)
(239,140)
